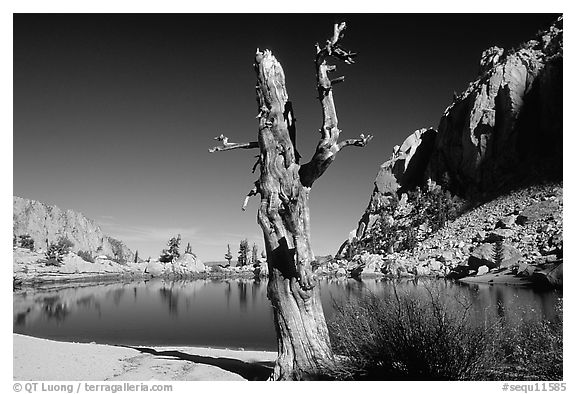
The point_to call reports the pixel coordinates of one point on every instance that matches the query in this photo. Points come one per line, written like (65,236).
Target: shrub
(410,239)
(433,337)
(406,337)
(56,252)
(26,241)
(434,207)
(86,256)
(400,228)
(531,350)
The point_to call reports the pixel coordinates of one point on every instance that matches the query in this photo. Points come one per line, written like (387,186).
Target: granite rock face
(483,255)
(507,123)
(185,265)
(504,129)
(403,171)
(46,224)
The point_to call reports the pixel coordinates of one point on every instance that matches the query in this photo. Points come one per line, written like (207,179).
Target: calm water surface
(231,313)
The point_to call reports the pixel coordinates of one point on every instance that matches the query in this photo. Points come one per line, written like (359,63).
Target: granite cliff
(488,178)
(507,125)
(504,130)
(46,224)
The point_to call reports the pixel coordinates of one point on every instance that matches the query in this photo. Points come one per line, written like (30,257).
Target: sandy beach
(43,359)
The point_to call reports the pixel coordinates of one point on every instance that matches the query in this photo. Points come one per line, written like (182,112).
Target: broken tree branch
(361,142)
(255,190)
(328,145)
(232,145)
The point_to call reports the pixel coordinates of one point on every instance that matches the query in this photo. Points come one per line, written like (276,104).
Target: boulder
(154,268)
(405,275)
(484,255)
(479,236)
(421,270)
(72,264)
(354,264)
(550,276)
(538,211)
(371,263)
(356,271)
(187,264)
(482,270)
(436,266)
(447,256)
(458,272)
(498,234)
(506,222)
(525,269)
(264,269)
(390,267)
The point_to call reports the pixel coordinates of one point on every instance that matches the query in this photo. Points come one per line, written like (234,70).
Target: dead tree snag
(304,349)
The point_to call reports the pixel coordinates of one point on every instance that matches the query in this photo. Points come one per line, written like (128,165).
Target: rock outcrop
(403,171)
(46,224)
(30,267)
(507,125)
(504,130)
(185,265)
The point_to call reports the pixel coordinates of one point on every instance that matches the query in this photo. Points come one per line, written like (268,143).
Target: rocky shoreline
(527,223)
(30,268)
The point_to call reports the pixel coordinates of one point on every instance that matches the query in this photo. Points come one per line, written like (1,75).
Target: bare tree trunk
(304,350)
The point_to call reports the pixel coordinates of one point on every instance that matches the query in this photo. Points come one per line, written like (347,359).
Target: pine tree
(243,253)
(254,253)
(173,252)
(498,251)
(136,258)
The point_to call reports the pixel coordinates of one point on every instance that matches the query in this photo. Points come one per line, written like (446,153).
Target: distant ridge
(47,223)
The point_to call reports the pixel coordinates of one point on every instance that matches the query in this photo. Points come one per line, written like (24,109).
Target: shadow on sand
(259,370)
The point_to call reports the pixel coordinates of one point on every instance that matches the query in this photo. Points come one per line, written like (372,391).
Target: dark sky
(114,114)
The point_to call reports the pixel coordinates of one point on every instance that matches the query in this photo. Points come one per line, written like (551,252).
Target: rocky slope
(528,223)
(46,224)
(502,134)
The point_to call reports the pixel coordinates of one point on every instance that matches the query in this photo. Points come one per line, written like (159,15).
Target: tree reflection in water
(55,309)
(242,289)
(169,296)
(230,312)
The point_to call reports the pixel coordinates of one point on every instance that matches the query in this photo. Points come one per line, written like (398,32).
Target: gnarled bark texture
(304,349)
